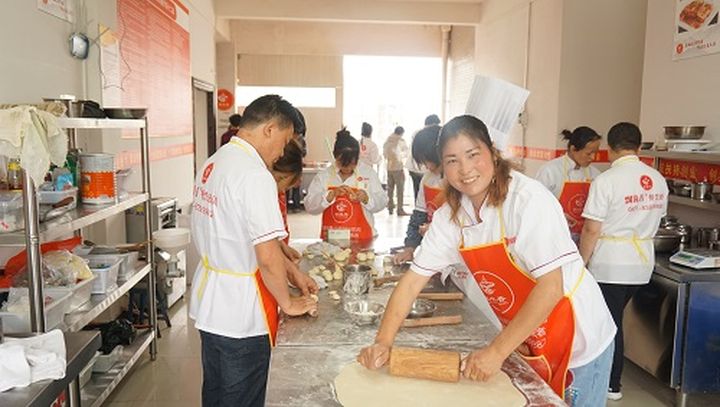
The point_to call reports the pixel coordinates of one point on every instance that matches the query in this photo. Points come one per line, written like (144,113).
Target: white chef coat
(412,165)
(364,178)
(432,180)
(554,173)
(629,199)
(235,207)
(369,152)
(539,242)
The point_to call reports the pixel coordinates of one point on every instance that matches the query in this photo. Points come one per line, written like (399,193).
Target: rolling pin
(429,364)
(443,296)
(432,321)
(382,280)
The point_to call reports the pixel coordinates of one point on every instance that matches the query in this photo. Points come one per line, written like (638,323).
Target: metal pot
(707,235)
(701,191)
(666,240)
(684,132)
(668,222)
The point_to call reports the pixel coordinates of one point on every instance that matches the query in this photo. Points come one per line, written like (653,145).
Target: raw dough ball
(314,297)
(337,275)
(370,255)
(340,256)
(335,296)
(361,257)
(327,275)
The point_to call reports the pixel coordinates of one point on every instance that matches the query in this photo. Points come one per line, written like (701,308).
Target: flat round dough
(358,386)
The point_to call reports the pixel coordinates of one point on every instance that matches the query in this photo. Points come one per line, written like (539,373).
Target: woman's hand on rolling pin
(374,356)
(482,364)
(404,256)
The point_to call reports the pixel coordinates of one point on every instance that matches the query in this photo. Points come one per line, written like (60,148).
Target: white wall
(461,69)
(684,92)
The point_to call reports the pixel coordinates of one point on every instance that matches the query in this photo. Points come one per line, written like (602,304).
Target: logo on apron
(577,204)
(646,182)
(342,211)
(497,291)
(207,172)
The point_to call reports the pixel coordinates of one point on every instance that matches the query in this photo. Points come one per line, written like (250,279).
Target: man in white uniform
(622,214)
(243,275)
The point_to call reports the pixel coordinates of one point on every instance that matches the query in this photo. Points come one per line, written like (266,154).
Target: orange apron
(282,200)
(434,198)
(348,215)
(506,287)
(572,199)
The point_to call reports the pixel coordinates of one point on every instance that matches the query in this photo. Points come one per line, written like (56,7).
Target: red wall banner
(690,171)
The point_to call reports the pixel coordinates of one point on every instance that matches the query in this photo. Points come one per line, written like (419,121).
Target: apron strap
(207,268)
(635,241)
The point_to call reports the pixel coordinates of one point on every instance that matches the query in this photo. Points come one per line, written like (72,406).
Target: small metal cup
(357,279)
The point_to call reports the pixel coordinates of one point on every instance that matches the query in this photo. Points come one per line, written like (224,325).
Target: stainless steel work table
(312,351)
(80,348)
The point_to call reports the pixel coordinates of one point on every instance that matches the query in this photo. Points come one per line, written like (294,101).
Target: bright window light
(298,96)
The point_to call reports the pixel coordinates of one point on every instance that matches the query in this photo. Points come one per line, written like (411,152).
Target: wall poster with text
(697,31)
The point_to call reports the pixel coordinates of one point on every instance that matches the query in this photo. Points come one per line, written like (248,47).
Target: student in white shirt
(369,152)
(395,151)
(511,233)
(243,275)
(415,169)
(568,177)
(430,197)
(347,194)
(622,214)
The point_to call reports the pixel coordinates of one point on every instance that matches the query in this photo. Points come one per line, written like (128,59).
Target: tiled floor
(174,379)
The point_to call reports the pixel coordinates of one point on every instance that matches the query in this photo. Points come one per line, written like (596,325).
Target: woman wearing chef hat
(568,177)
(512,235)
(347,194)
(622,215)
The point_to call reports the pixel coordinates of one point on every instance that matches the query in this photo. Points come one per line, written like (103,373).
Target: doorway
(204,121)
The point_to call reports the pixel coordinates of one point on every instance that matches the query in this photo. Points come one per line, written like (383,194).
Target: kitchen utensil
(686,233)
(433,321)
(682,189)
(364,312)
(422,308)
(456,296)
(684,132)
(646,145)
(425,364)
(688,145)
(707,235)
(126,112)
(356,279)
(666,240)
(378,282)
(701,191)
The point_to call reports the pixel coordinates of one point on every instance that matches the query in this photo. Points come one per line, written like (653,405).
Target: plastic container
(127,265)
(86,372)
(106,362)
(53,197)
(11,212)
(80,293)
(97,179)
(106,275)
(54,314)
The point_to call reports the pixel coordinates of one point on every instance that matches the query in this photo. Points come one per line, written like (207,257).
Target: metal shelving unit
(707,205)
(86,215)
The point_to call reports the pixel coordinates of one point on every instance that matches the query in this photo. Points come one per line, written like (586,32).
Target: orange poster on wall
(154,63)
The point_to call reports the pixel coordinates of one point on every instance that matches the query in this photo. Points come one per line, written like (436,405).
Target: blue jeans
(235,371)
(590,382)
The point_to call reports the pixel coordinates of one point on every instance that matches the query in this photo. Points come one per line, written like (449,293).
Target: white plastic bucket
(97,178)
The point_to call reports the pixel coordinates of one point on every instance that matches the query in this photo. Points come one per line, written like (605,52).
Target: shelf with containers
(72,222)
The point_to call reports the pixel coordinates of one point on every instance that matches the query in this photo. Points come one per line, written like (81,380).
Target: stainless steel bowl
(646,145)
(125,112)
(422,308)
(364,312)
(684,132)
(666,240)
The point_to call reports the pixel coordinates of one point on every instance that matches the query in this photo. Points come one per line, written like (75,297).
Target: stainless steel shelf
(101,385)
(99,303)
(698,157)
(707,205)
(84,123)
(78,218)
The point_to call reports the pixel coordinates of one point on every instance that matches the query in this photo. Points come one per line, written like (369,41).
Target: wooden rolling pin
(431,321)
(391,279)
(425,364)
(456,296)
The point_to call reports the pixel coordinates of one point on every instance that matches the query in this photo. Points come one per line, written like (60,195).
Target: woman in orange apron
(568,177)
(287,171)
(430,196)
(347,194)
(512,236)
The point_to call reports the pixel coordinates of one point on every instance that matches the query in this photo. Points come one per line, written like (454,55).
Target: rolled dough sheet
(358,386)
